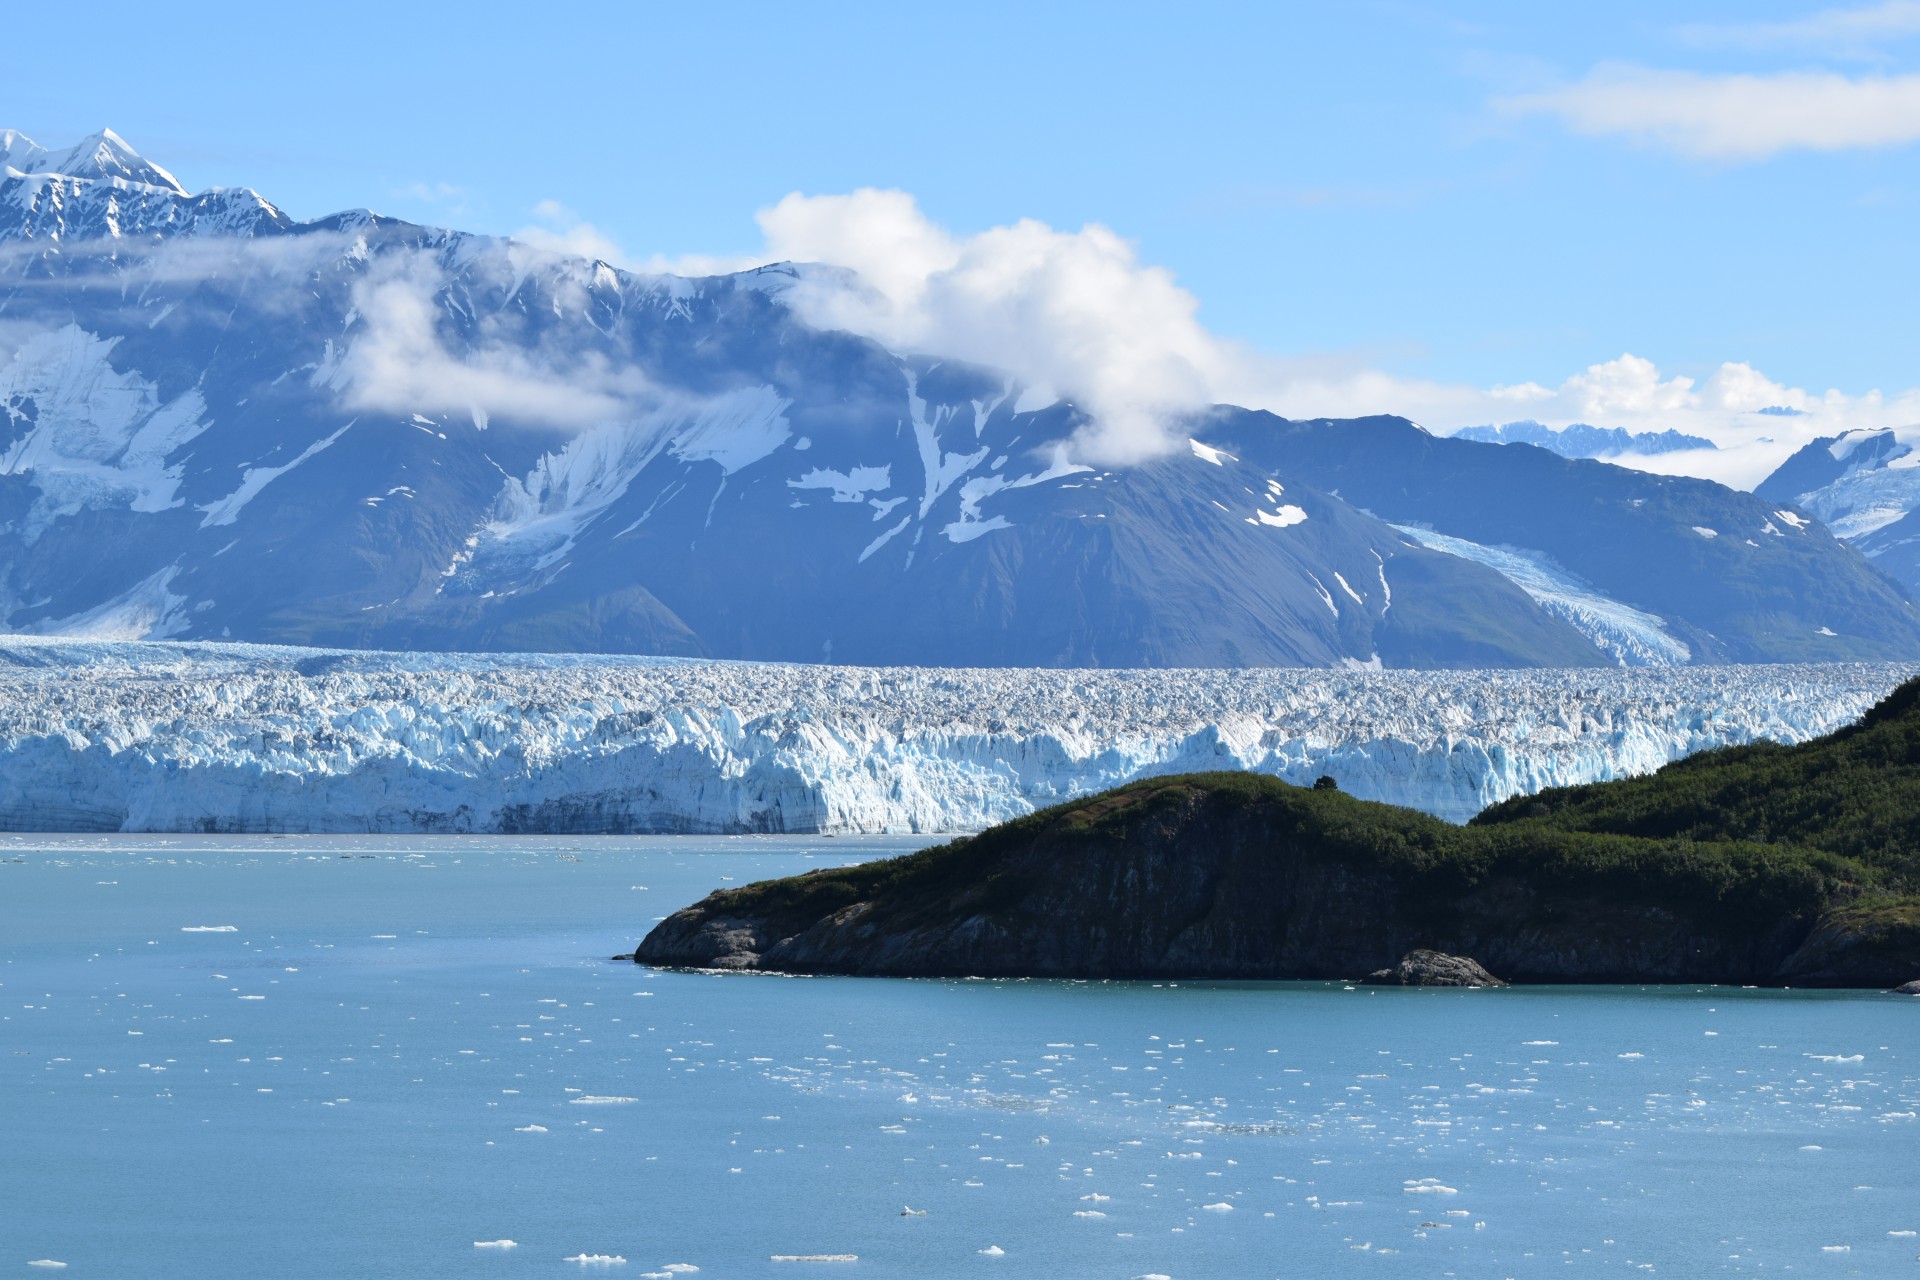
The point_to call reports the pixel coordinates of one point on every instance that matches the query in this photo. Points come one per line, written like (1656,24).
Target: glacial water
(335,1057)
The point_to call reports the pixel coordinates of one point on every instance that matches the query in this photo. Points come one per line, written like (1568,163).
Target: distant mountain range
(224,423)
(1580,440)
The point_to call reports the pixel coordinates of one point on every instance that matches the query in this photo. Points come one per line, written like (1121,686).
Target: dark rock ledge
(1423,968)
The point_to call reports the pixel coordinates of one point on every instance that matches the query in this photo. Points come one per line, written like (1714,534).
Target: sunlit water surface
(339,1057)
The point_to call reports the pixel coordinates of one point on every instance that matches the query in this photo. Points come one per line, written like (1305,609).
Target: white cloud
(399,361)
(1078,312)
(1632,393)
(1735,116)
(1852,32)
(1073,310)
(558,230)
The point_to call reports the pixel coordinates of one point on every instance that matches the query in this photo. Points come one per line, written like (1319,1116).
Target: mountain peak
(103,155)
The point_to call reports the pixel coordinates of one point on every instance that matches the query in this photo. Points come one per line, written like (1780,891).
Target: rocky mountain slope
(222,423)
(1865,486)
(1758,864)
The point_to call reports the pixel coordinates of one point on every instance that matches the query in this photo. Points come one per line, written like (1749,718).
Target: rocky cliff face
(1224,876)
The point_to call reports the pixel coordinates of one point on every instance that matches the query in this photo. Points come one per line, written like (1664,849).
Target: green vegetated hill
(1756,864)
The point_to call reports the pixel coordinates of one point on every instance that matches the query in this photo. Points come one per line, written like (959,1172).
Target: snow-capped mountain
(226,737)
(1865,485)
(223,423)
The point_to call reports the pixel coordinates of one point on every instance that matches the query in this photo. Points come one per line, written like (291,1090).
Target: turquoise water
(405,1047)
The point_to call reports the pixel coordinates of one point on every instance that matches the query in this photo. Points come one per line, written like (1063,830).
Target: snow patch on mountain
(1631,636)
(145,611)
(736,429)
(254,479)
(538,518)
(851,485)
(193,736)
(89,435)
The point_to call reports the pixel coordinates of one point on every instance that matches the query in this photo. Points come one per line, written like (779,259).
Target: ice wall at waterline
(211,737)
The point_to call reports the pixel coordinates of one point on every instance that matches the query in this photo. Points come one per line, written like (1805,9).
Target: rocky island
(1758,864)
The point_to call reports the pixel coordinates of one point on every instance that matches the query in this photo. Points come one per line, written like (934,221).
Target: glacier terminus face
(173,736)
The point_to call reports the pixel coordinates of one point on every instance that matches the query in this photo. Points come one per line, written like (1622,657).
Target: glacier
(1630,636)
(213,737)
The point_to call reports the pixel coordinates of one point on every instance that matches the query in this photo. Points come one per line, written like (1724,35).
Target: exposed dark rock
(1423,968)
(1238,876)
(1908,988)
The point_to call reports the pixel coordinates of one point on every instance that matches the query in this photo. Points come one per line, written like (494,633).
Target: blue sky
(1407,200)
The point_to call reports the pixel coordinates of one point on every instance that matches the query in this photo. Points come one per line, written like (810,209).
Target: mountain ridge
(220,423)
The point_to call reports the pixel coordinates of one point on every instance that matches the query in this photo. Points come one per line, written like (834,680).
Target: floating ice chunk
(209,928)
(1088,1213)
(46,1262)
(1836,1248)
(815,1257)
(1837,1057)
(993,1251)
(1629,1055)
(495,1244)
(598,1099)
(1429,1187)
(531,1128)
(1154,1275)
(596,1259)
(1219,1207)
(1539,1042)
(679,1268)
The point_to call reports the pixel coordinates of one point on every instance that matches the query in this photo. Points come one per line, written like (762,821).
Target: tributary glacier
(138,736)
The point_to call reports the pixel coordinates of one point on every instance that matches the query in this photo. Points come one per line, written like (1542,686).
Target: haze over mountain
(1583,440)
(355,431)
